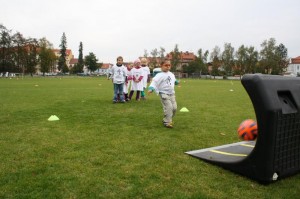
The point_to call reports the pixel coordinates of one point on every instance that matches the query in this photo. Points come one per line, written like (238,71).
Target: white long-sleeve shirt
(163,82)
(118,74)
(146,73)
(137,74)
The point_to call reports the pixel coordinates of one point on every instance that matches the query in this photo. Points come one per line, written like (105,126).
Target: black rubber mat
(226,153)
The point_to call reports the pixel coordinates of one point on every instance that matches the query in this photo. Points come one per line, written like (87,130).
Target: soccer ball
(247,130)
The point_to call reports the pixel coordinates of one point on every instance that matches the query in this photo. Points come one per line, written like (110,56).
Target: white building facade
(294,67)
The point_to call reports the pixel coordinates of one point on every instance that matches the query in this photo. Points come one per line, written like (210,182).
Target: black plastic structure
(276,154)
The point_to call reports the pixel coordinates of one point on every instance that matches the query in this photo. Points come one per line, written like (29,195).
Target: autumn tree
(252,60)
(47,57)
(228,59)
(32,55)
(246,60)
(162,53)
(153,60)
(268,56)
(20,52)
(91,62)
(193,67)
(202,60)
(6,53)
(215,57)
(282,58)
(146,53)
(175,58)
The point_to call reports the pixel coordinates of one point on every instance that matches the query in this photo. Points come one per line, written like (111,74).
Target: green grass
(102,150)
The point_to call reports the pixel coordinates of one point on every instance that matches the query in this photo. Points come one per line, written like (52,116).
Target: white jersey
(146,73)
(127,86)
(118,74)
(164,82)
(137,74)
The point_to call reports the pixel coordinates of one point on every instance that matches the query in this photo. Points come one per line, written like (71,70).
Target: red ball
(247,130)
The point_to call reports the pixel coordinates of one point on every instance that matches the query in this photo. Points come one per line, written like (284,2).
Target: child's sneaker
(168,125)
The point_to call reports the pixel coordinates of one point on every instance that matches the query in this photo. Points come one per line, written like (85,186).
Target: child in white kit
(163,84)
(119,76)
(146,76)
(128,83)
(137,78)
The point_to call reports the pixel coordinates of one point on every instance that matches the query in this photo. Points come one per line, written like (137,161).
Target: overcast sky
(110,28)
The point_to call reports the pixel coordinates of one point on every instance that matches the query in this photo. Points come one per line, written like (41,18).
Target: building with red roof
(69,56)
(184,59)
(73,61)
(294,66)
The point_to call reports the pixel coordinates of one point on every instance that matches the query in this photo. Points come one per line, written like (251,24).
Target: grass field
(102,150)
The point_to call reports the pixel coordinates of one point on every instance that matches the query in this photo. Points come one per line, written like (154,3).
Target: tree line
(271,59)
(21,55)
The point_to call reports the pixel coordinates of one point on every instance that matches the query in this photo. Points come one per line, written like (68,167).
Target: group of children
(135,78)
(129,79)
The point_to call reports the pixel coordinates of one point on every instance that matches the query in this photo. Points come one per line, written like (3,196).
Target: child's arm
(110,74)
(153,86)
(140,78)
(151,89)
(148,79)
